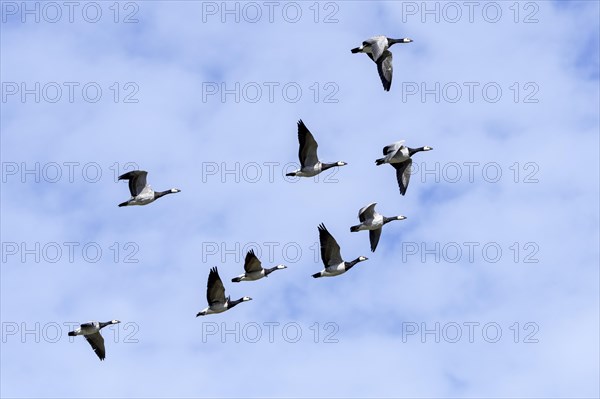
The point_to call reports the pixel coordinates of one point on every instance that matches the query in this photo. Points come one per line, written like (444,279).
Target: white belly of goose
(310,171)
(400,156)
(254,275)
(372,224)
(217,308)
(143,198)
(334,270)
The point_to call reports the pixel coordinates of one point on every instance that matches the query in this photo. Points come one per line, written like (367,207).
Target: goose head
(246,299)
(175,190)
(341,163)
(279,267)
(400,217)
(362,258)
(114,322)
(427,148)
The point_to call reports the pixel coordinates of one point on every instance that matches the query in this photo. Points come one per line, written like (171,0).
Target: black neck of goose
(104,324)
(158,194)
(349,265)
(325,166)
(387,220)
(231,304)
(412,151)
(270,270)
(394,41)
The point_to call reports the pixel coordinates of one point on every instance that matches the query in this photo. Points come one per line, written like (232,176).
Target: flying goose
(374,222)
(399,156)
(91,332)
(215,295)
(331,257)
(141,192)
(309,161)
(377,49)
(254,269)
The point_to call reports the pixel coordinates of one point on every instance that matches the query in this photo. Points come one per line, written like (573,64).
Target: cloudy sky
(489,288)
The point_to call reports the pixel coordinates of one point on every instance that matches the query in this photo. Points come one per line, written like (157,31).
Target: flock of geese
(396,154)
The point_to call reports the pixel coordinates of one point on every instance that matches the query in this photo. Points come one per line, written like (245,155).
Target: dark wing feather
(367,211)
(330,250)
(137,181)
(97,343)
(308,146)
(252,264)
(385,69)
(374,238)
(378,46)
(403,174)
(362,217)
(215,292)
(368,44)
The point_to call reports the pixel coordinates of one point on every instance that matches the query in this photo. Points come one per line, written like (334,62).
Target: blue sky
(155,110)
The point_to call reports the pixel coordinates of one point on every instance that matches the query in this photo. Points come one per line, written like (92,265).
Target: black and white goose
(254,270)
(374,222)
(399,156)
(141,192)
(377,49)
(91,332)
(309,161)
(215,295)
(331,257)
